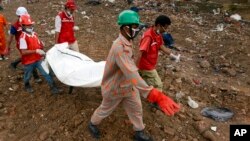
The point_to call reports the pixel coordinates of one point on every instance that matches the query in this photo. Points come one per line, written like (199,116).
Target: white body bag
(73,68)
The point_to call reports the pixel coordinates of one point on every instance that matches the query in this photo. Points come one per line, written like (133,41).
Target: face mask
(30,30)
(165,32)
(69,13)
(135,32)
(158,31)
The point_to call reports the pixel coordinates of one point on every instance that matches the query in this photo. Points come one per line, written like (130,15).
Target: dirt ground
(214,70)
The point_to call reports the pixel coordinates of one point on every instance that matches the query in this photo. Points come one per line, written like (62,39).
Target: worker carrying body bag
(73,68)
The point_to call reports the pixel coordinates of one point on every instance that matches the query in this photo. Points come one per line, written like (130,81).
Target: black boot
(94,131)
(142,136)
(14,64)
(28,88)
(54,90)
(36,77)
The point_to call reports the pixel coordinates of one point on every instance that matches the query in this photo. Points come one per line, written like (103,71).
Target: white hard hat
(21,11)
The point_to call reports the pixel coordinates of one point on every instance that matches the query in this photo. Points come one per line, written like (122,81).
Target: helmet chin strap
(129,35)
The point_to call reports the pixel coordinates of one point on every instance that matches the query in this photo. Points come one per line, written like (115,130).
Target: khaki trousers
(131,104)
(152,78)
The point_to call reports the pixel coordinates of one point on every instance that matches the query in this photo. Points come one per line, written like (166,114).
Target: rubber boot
(36,76)
(142,136)
(54,90)
(14,64)
(94,130)
(28,88)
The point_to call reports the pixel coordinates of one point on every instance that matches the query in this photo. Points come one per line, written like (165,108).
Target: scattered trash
(189,40)
(198,19)
(178,58)
(10,89)
(196,81)
(112,1)
(192,103)
(83,12)
(75,28)
(86,17)
(179,95)
(213,128)
(52,32)
(93,2)
(219,27)
(136,9)
(169,66)
(235,17)
(130,1)
(216,113)
(216,11)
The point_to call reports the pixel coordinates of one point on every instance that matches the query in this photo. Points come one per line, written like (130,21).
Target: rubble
(214,67)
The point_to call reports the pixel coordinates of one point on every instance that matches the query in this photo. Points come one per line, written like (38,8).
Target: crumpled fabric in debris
(217,113)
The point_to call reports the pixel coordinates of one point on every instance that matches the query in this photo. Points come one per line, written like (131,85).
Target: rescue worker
(32,53)
(15,32)
(64,26)
(122,84)
(3,26)
(150,45)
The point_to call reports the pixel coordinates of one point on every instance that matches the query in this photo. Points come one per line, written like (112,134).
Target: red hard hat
(70,4)
(25,20)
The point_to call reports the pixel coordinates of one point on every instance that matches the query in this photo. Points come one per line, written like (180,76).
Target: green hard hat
(128,17)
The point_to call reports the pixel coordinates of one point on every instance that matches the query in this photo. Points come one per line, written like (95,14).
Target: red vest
(18,28)
(149,59)
(33,43)
(67,33)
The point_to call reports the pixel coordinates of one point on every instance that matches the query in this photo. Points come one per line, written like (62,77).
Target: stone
(228,71)
(209,135)
(176,69)
(204,64)
(243,111)
(175,138)
(15,87)
(182,116)
(169,131)
(1,105)
(200,126)
(178,80)
(78,120)
(232,72)
(189,137)
(183,136)
(196,81)
(179,129)
(159,113)
(197,118)
(248,82)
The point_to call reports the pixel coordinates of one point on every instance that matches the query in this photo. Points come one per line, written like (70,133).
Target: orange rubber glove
(167,105)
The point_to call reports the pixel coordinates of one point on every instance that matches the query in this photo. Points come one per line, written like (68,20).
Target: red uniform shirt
(149,46)
(67,33)
(32,43)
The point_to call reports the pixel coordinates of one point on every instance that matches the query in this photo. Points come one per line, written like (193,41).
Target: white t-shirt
(58,24)
(23,43)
